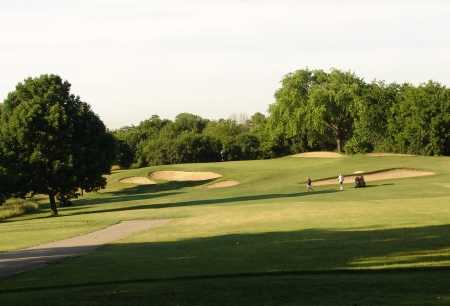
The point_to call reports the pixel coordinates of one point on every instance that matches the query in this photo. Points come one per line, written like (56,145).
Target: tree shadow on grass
(217,201)
(139,192)
(249,256)
(165,186)
(114,199)
(134,193)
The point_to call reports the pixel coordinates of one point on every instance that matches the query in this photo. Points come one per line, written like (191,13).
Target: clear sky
(133,58)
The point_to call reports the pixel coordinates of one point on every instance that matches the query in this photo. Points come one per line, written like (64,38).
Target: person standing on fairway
(341,182)
(309,184)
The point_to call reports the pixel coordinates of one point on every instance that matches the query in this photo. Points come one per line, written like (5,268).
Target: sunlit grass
(268,223)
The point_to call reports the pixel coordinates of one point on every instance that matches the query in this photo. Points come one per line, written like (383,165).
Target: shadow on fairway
(305,253)
(166,186)
(135,193)
(142,192)
(199,202)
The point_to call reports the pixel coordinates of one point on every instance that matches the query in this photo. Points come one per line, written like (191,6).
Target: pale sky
(133,58)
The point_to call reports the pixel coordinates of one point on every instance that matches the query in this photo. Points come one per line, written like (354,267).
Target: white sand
(183,176)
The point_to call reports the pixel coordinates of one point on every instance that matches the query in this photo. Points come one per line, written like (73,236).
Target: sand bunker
(223,184)
(319,155)
(137,180)
(377,176)
(379,154)
(182,176)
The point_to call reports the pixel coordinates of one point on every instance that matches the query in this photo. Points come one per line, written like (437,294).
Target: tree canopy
(52,141)
(315,109)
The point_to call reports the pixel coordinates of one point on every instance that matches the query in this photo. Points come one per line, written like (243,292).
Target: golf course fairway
(263,241)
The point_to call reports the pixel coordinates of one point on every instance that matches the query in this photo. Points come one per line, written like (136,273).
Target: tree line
(189,139)
(313,110)
(51,142)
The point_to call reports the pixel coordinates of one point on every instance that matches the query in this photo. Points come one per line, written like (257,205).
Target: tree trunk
(339,140)
(339,145)
(53,207)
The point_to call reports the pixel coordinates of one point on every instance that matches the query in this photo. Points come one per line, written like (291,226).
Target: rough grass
(16,207)
(264,242)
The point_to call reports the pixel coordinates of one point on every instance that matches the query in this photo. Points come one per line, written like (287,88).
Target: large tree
(52,141)
(332,105)
(287,115)
(314,109)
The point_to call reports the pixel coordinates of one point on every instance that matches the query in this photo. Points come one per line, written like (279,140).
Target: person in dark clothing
(309,184)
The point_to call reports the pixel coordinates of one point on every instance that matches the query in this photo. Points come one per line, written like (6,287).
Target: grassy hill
(264,242)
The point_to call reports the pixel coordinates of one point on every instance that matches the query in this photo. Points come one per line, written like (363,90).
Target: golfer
(341,181)
(309,184)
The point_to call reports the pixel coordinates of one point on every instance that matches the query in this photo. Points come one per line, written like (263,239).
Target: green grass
(264,242)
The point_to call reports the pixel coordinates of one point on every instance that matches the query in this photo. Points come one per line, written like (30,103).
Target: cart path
(41,255)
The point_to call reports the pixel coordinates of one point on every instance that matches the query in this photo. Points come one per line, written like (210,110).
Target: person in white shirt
(341,181)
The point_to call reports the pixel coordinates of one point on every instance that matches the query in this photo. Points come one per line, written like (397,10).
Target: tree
(289,129)
(420,120)
(196,148)
(3,185)
(137,137)
(124,155)
(331,105)
(249,146)
(186,122)
(371,117)
(52,141)
(223,129)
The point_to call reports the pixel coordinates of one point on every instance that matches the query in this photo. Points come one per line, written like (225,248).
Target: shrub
(17,207)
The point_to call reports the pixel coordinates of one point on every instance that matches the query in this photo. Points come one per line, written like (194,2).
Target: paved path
(27,259)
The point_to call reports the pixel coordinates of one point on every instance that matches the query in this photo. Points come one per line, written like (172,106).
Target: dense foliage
(319,110)
(190,138)
(313,110)
(51,142)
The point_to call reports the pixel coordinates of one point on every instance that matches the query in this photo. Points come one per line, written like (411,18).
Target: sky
(131,59)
